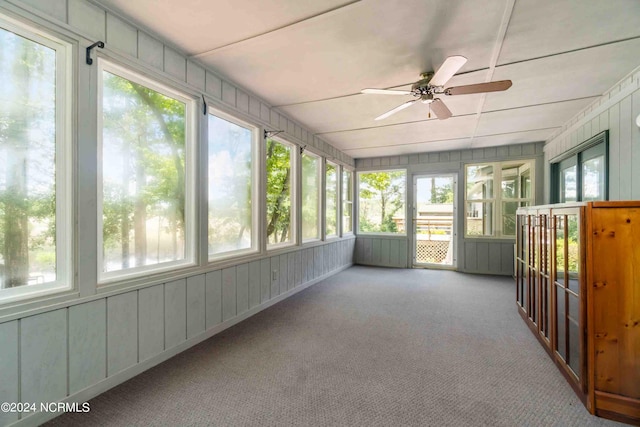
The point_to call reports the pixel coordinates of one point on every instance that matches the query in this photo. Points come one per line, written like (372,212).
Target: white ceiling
(311,58)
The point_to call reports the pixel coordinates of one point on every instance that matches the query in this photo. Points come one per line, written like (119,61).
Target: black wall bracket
(302,148)
(96,44)
(270,133)
(204,106)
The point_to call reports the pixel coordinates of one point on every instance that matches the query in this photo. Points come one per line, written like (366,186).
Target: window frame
(336,211)
(320,178)
(357,193)
(343,195)
(191,135)
(256,230)
(293,185)
(497,200)
(64,163)
(575,157)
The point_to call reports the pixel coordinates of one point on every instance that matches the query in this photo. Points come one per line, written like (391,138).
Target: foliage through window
(347,201)
(381,207)
(279,192)
(231,172)
(494,191)
(34,185)
(144,139)
(331,198)
(310,197)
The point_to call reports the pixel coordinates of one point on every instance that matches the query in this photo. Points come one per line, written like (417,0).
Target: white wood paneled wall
(474,255)
(616,111)
(74,353)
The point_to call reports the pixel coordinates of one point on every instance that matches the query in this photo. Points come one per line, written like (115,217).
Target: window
(280,201)
(382,201)
(310,197)
(494,191)
(145,182)
(331,205)
(347,201)
(35,163)
(232,188)
(582,175)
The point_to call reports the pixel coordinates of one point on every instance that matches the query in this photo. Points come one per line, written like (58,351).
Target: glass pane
(561,342)
(381,207)
(278,192)
(434,220)
(27,162)
(479,219)
(331,200)
(230,181)
(143,151)
(573,245)
(479,182)
(560,244)
(525,185)
(510,185)
(347,202)
(509,217)
(593,179)
(574,334)
(568,184)
(310,197)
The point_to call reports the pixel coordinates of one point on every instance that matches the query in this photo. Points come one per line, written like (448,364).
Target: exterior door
(434,221)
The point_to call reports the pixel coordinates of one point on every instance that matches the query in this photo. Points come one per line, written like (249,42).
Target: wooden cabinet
(578,289)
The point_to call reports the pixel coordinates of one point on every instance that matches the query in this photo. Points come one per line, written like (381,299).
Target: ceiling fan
(431,84)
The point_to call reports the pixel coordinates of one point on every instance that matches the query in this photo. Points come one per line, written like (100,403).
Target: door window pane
(230,186)
(310,197)
(143,175)
(331,200)
(381,204)
(279,192)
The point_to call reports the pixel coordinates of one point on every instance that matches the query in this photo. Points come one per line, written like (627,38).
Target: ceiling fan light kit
(432,84)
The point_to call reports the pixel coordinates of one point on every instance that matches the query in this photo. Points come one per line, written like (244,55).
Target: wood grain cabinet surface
(578,290)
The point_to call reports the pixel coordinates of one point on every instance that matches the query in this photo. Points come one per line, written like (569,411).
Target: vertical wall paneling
(87,344)
(175,313)
(9,368)
(265,279)
(122,332)
(150,50)
(254,284)
(213,297)
(291,264)
(87,18)
(121,36)
(43,357)
(635,148)
(318,261)
(242,288)
(196,298)
(284,273)
(275,276)
(299,267)
(625,148)
(151,321)
(229,304)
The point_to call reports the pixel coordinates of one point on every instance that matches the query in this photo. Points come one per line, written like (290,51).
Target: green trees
(381,198)
(143,175)
(278,192)
(27,160)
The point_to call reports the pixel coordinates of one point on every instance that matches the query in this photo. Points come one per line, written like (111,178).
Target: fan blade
(385,92)
(395,110)
(450,66)
(479,88)
(440,110)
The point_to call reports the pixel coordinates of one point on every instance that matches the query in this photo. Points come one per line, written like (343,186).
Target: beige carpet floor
(367,347)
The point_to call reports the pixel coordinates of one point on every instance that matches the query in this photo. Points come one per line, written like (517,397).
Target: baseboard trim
(102,386)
